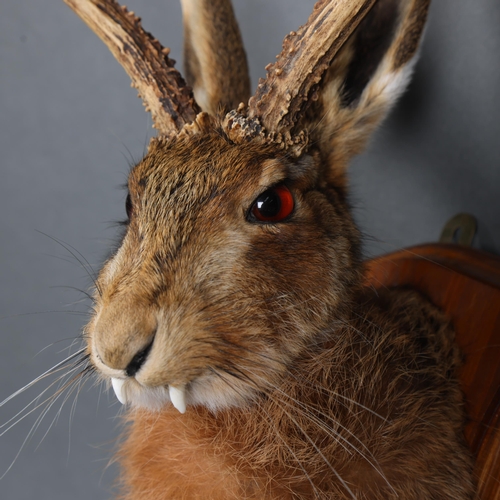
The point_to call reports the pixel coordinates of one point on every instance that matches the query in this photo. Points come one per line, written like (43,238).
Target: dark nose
(138,360)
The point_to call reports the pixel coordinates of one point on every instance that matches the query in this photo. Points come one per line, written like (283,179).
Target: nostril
(138,360)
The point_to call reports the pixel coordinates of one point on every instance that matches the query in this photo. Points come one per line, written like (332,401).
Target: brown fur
(311,361)
(300,383)
(215,62)
(411,33)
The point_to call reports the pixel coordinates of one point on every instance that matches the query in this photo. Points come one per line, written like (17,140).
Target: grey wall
(70,126)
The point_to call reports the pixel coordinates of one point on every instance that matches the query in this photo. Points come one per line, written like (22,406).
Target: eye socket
(273,205)
(128,206)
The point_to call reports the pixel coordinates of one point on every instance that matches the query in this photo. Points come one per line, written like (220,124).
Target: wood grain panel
(465,283)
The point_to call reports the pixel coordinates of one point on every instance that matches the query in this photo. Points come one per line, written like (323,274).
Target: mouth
(214,392)
(177,395)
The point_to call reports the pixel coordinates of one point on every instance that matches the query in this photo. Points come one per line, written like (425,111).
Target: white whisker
(52,399)
(42,376)
(35,400)
(320,453)
(341,440)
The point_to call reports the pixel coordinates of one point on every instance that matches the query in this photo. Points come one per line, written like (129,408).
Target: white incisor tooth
(178,397)
(117,384)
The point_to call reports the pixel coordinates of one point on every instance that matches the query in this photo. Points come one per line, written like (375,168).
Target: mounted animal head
(240,251)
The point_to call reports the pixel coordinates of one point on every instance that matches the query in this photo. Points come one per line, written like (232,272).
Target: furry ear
(364,80)
(215,63)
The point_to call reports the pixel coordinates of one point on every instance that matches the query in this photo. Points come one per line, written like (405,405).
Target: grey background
(70,127)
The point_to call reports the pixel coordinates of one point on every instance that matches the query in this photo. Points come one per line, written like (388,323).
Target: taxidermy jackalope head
(237,214)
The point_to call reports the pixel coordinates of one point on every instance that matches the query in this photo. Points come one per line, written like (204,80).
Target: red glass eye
(273,205)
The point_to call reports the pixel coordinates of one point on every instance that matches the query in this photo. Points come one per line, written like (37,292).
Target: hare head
(240,252)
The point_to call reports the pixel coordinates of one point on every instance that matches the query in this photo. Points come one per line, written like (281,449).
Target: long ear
(364,80)
(215,62)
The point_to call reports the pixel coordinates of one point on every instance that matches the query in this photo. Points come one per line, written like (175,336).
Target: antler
(292,81)
(160,85)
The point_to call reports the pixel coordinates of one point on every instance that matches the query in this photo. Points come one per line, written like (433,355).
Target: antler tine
(306,55)
(291,83)
(160,85)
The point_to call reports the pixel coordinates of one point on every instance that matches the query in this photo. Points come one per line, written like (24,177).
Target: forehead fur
(187,186)
(199,165)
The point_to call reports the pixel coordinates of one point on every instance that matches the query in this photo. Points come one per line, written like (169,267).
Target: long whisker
(320,453)
(344,484)
(74,313)
(86,372)
(337,436)
(215,341)
(299,463)
(52,344)
(87,294)
(71,384)
(317,421)
(42,376)
(52,399)
(37,398)
(299,427)
(337,395)
(305,410)
(75,383)
(81,259)
(276,433)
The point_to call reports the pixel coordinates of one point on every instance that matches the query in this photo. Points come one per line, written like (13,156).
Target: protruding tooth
(117,384)
(178,397)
